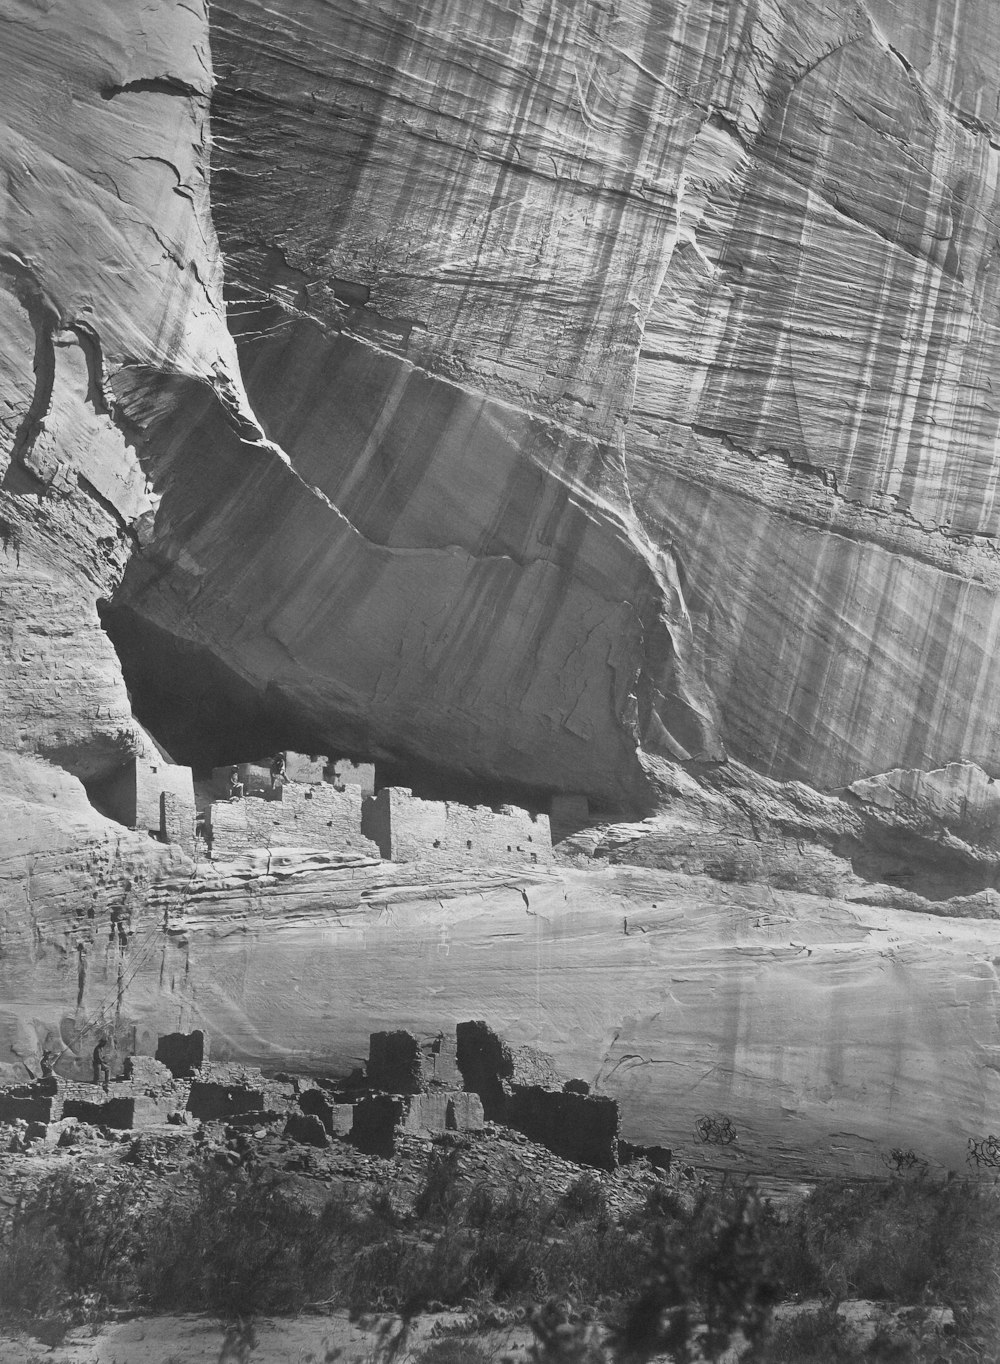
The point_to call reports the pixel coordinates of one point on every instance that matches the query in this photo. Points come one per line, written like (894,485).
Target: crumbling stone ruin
(225,1093)
(154,794)
(519,1087)
(408,829)
(135,1105)
(417,1089)
(311,801)
(580,1127)
(336,1118)
(398,1064)
(492,1068)
(342,773)
(446,1083)
(310,816)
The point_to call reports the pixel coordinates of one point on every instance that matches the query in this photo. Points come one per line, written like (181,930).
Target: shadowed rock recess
(544,401)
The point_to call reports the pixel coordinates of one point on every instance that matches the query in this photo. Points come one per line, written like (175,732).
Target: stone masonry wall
(317,817)
(177,821)
(155,796)
(408,829)
(398,1063)
(310,769)
(152,779)
(580,1127)
(343,772)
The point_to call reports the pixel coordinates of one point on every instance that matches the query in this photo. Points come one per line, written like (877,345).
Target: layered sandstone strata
(635,366)
(618,381)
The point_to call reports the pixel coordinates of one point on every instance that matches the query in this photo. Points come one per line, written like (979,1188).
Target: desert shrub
(242,1245)
(32,1267)
(74,1234)
(441,1189)
(902,1240)
(585,1197)
(454,1352)
(504,1243)
(564,1336)
(708,1259)
(707,1279)
(813,1337)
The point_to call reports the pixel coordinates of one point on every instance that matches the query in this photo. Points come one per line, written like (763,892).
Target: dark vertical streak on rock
(44,318)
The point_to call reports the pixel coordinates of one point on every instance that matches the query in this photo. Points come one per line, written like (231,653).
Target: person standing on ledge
(278,776)
(102,1064)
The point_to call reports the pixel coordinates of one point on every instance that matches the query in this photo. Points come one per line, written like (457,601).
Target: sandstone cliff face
(108,261)
(719,960)
(634,366)
(568,336)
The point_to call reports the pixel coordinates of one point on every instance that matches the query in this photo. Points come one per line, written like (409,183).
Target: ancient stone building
(293,816)
(155,794)
(408,829)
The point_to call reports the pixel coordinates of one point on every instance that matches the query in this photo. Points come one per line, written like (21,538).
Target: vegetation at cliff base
(681,1273)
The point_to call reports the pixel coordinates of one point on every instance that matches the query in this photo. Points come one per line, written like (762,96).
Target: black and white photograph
(499,681)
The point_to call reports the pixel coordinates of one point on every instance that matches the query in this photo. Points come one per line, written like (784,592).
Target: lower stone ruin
(448,1083)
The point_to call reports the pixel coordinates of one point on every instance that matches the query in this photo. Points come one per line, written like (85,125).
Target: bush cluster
(681,1273)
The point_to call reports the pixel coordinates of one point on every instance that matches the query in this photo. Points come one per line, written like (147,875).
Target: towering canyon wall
(645,356)
(618,379)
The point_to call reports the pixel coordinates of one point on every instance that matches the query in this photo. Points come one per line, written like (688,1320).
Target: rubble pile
(448,1087)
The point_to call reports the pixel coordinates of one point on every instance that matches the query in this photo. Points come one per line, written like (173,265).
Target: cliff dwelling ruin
(499,511)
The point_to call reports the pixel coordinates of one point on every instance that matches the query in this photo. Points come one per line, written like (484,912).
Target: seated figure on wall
(235,785)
